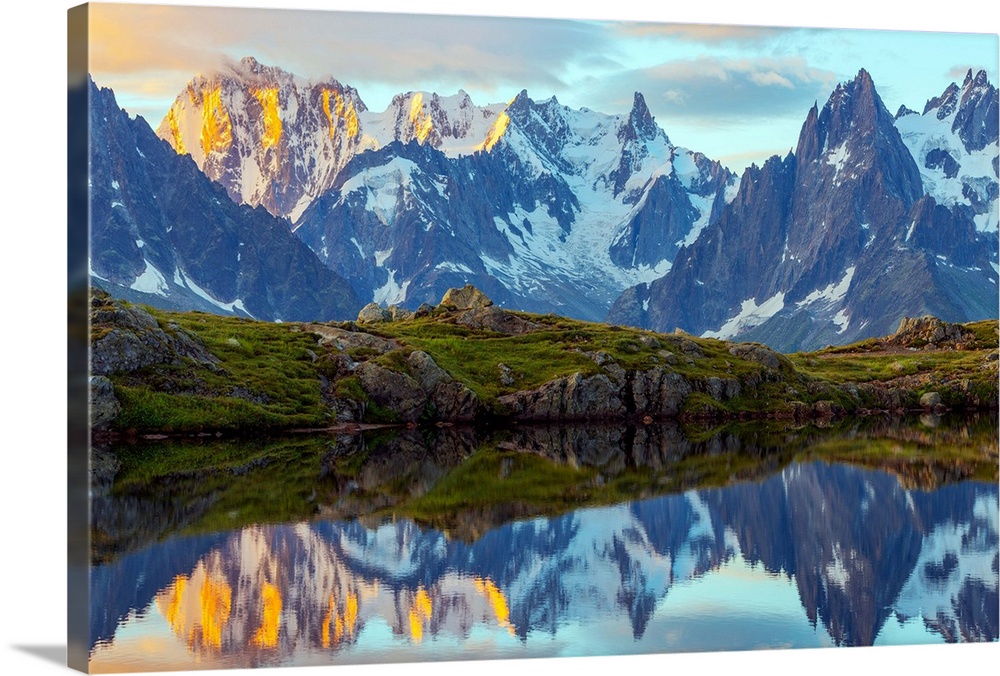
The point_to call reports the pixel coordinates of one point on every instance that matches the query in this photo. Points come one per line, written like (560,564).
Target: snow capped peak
(250,71)
(954,143)
(453,124)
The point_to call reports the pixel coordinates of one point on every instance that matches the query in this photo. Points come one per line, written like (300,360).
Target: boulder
(426,371)
(451,400)
(759,354)
(397,313)
(132,339)
(397,392)
(928,330)
(650,342)
(342,339)
(454,401)
(931,401)
(373,313)
(506,375)
(494,319)
(466,298)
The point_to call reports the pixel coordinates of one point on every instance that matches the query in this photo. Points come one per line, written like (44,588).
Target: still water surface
(408,546)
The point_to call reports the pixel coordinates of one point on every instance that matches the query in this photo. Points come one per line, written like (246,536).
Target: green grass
(918,465)
(269,375)
(266,379)
(558,349)
(849,367)
(144,409)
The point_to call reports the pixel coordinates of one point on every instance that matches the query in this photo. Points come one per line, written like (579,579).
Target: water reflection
(804,553)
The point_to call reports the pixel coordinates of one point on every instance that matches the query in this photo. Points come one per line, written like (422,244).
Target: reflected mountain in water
(814,554)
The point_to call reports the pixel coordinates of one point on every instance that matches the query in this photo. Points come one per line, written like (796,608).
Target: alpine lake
(449,542)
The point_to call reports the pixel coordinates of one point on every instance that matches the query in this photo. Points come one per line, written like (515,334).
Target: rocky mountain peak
(945,104)
(977,114)
(853,111)
(251,64)
(640,123)
(980,79)
(249,70)
(520,106)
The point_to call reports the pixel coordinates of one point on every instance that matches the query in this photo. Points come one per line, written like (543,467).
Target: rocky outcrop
(470,307)
(494,319)
(449,399)
(343,339)
(919,332)
(659,392)
(759,354)
(104,407)
(426,392)
(392,390)
(373,313)
(572,397)
(466,298)
(129,339)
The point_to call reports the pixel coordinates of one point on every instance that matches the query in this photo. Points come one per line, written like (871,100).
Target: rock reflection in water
(818,553)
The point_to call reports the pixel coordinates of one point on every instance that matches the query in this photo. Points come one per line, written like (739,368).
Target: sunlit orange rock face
(421,121)
(216,127)
(175,131)
(340,110)
(276,140)
(496,132)
(268,100)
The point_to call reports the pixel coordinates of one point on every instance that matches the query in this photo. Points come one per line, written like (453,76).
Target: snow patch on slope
(750,315)
(237,305)
(832,293)
(151,281)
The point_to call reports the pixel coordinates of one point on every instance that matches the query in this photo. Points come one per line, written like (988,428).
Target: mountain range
(871,218)
(550,209)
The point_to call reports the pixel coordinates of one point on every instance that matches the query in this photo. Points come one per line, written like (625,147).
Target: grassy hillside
(255,376)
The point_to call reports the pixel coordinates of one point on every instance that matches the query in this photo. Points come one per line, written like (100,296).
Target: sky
(736,93)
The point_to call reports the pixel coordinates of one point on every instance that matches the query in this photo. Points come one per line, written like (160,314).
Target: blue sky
(737,94)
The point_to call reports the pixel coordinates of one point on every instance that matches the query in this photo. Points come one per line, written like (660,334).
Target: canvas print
(416,338)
